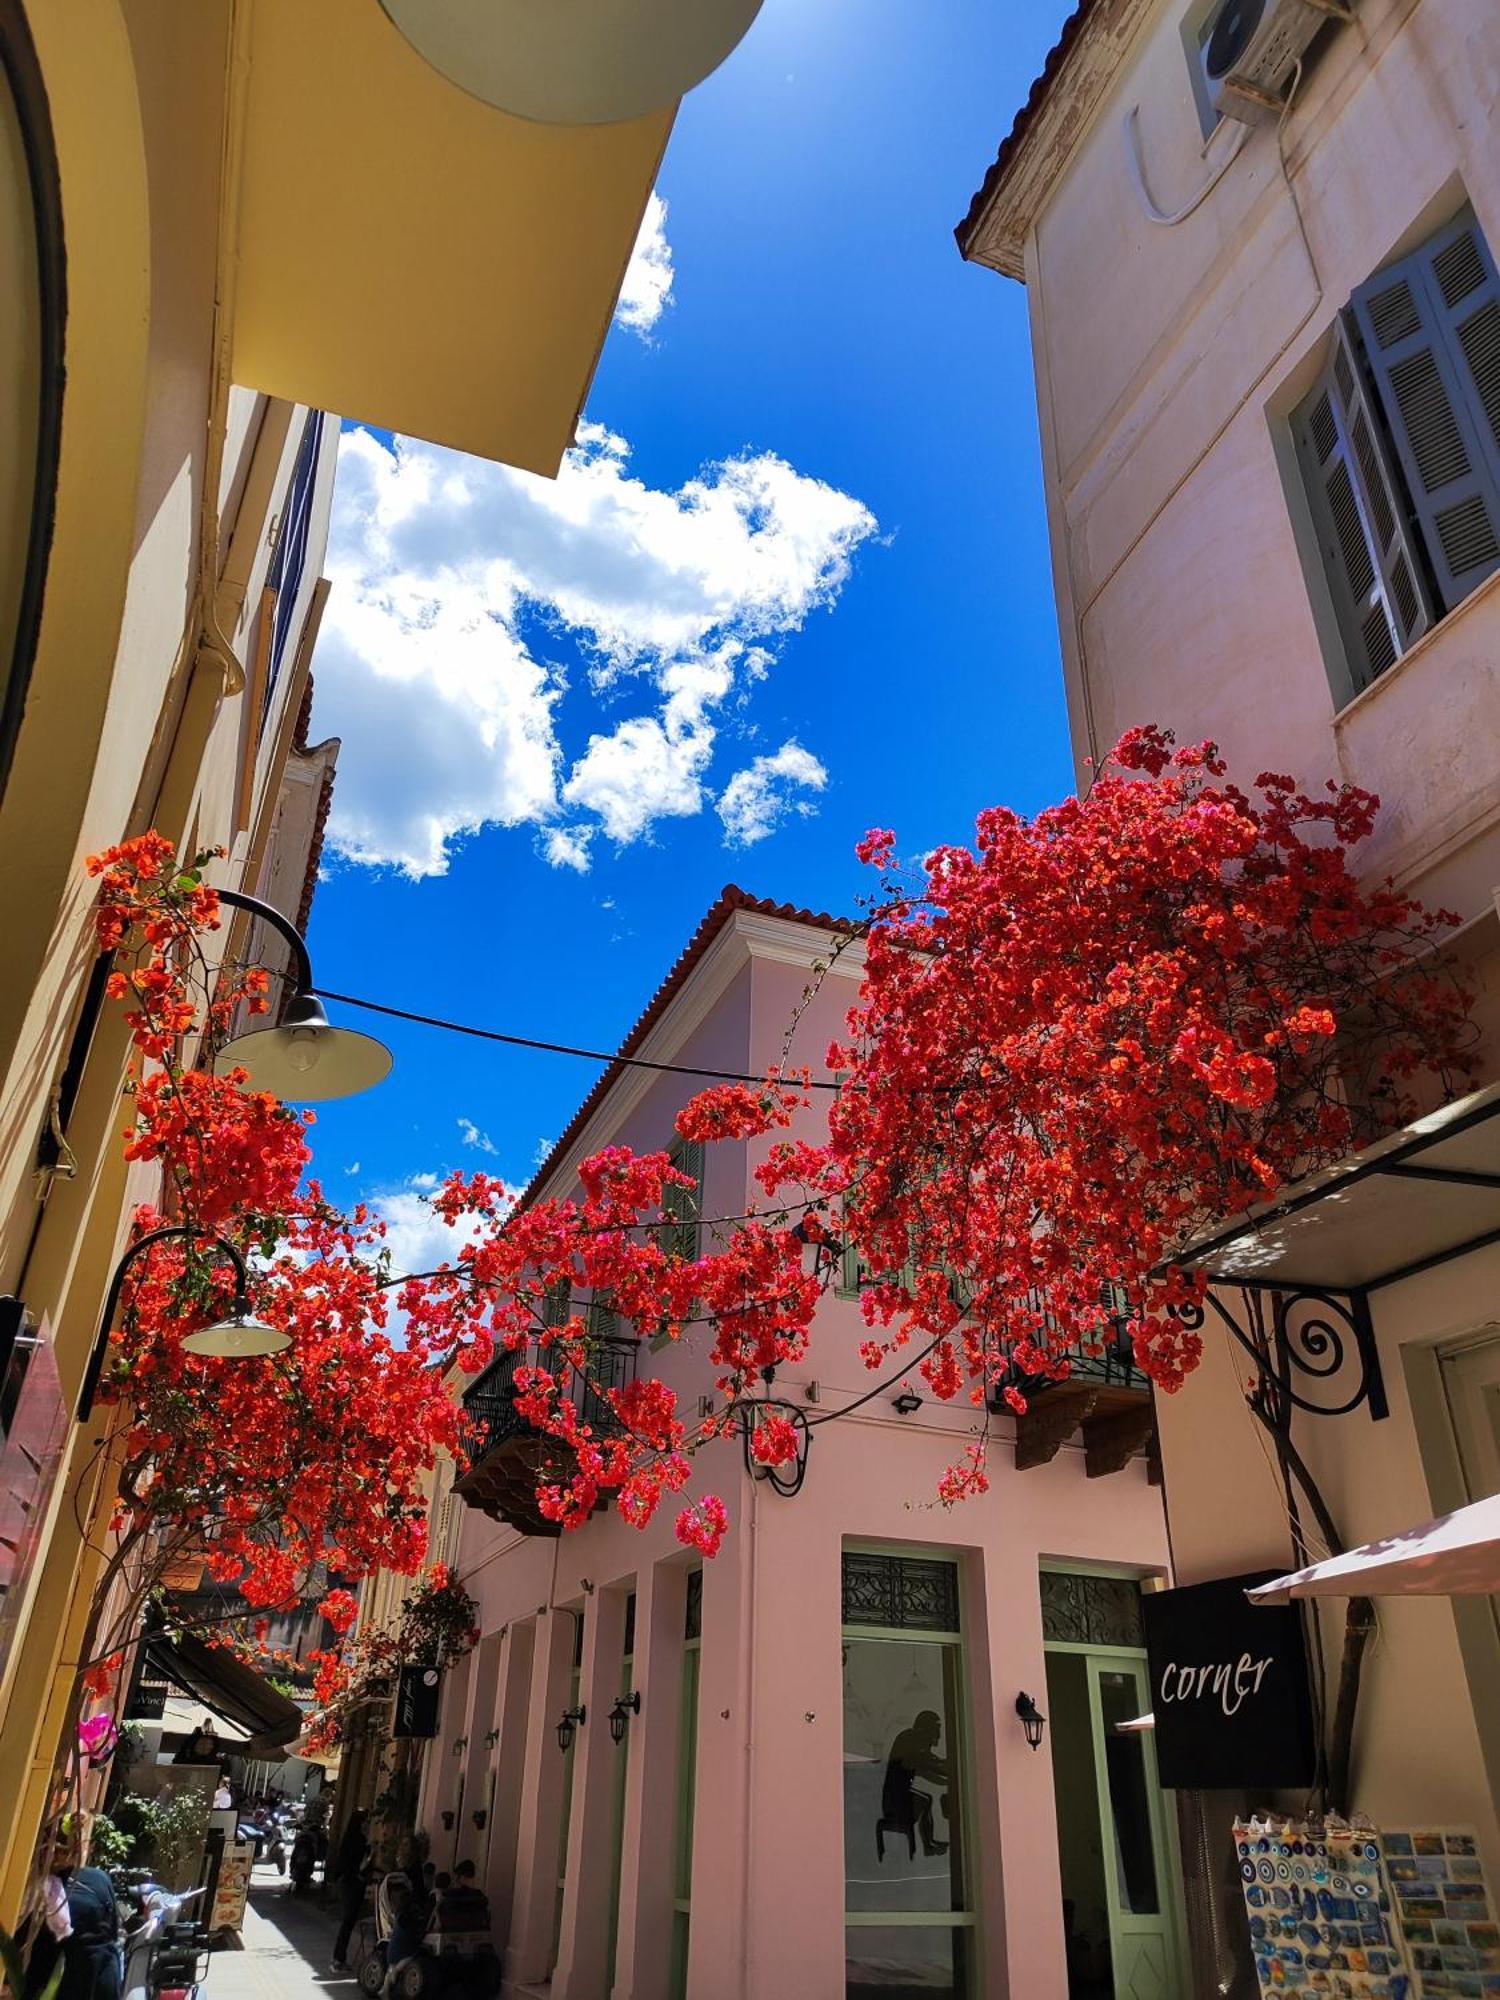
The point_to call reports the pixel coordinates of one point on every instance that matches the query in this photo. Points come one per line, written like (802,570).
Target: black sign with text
(1229,1687)
(417,1693)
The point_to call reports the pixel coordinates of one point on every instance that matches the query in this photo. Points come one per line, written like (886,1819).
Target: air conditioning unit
(1250,49)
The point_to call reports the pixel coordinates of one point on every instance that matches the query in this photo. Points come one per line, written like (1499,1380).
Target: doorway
(1116,1854)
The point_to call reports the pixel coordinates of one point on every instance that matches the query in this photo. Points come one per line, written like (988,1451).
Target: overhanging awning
(230,1688)
(1457,1555)
(1423,1196)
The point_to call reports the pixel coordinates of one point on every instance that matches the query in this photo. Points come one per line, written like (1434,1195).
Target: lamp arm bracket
(283,927)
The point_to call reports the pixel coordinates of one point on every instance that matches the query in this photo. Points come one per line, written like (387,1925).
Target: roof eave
(1060,108)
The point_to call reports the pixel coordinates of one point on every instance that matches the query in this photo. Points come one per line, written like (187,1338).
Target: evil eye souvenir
(1266,1870)
(1247,1871)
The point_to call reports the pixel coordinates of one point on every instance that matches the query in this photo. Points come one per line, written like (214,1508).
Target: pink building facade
(1268,379)
(825,1786)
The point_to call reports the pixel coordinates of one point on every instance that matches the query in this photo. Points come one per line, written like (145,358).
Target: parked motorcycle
(166,1953)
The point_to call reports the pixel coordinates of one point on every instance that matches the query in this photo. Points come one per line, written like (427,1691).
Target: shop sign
(417,1693)
(1229,1687)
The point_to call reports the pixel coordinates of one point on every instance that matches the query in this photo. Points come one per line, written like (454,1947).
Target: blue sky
(858,591)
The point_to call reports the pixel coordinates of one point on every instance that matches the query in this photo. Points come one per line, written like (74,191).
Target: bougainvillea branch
(1075,1043)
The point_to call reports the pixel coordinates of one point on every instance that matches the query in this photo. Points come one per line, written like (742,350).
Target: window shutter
(557,1303)
(1431,326)
(683,1207)
(602,1322)
(1372,567)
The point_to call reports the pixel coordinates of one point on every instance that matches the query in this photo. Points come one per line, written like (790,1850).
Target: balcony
(1105,1395)
(507,1455)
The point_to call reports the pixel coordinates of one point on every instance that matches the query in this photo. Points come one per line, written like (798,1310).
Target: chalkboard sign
(1229,1687)
(417,1693)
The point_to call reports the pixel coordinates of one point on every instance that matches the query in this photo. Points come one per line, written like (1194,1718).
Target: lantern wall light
(907,1403)
(572,1718)
(619,1716)
(304,1057)
(239,1335)
(1032,1720)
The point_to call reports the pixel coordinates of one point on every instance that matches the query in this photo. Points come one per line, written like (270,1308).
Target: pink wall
(767,1882)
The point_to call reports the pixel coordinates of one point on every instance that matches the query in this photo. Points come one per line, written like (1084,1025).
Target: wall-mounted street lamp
(571,1718)
(238,1335)
(304,1057)
(625,1706)
(574,62)
(1032,1720)
(906,1403)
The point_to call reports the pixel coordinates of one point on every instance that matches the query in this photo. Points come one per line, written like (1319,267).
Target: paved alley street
(288,1943)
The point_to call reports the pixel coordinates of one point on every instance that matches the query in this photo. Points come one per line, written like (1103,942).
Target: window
(1399,447)
(909,1918)
(289,562)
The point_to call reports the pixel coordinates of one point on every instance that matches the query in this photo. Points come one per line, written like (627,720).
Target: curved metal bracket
(786,1478)
(1314,1344)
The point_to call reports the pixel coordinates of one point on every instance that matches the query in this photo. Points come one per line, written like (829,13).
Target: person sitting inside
(904,1807)
(463,1906)
(407,1928)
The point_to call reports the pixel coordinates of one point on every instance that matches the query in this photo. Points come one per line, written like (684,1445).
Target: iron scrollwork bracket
(786,1477)
(1314,1346)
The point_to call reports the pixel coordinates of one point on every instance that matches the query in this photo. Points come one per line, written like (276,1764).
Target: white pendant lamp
(574,62)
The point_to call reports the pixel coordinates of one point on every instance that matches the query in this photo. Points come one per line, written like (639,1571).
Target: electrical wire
(558,1048)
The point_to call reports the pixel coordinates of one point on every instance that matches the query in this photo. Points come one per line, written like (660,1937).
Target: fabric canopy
(226,1685)
(1457,1555)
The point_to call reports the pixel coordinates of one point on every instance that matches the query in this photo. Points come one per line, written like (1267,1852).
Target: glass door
(1132,1818)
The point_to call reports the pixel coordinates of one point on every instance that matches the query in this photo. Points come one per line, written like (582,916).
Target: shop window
(1399,448)
(909,1896)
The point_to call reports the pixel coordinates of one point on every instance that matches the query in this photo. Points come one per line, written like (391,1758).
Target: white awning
(1413,1200)
(1457,1555)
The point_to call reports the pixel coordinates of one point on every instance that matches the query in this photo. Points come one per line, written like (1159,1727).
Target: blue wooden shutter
(1372,567)
(1431,327)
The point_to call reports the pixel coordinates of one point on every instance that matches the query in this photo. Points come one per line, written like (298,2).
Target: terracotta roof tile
(730,900)
(1057,55)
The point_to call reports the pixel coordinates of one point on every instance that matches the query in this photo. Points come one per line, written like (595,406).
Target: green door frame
(1163,1815)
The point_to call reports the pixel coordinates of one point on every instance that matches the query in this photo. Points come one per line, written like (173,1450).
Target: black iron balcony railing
(490,1404)
(1113,1366)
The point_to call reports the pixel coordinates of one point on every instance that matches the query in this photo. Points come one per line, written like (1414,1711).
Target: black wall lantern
(907,1403)
(1032,1720)
(619,1716)
(571,1717)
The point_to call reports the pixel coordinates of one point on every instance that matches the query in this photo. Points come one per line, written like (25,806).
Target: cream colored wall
(1168,360)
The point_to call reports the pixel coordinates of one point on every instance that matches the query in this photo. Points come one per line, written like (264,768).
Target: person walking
(351,1873)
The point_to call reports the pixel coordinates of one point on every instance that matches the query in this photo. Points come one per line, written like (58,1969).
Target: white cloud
(450,723)
(647,290)
(424,1183)
(757,799)
(543,1148)
(472,1136)
(352,1170)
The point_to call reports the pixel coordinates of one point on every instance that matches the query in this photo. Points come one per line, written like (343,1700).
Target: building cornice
(1080,69)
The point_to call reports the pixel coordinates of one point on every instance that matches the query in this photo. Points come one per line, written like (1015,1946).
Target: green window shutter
(601,1322)
(683,1207)
(1369,559)
(557,1303)
(1431,326)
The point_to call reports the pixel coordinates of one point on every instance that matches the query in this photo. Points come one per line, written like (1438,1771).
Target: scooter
(166,1955)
